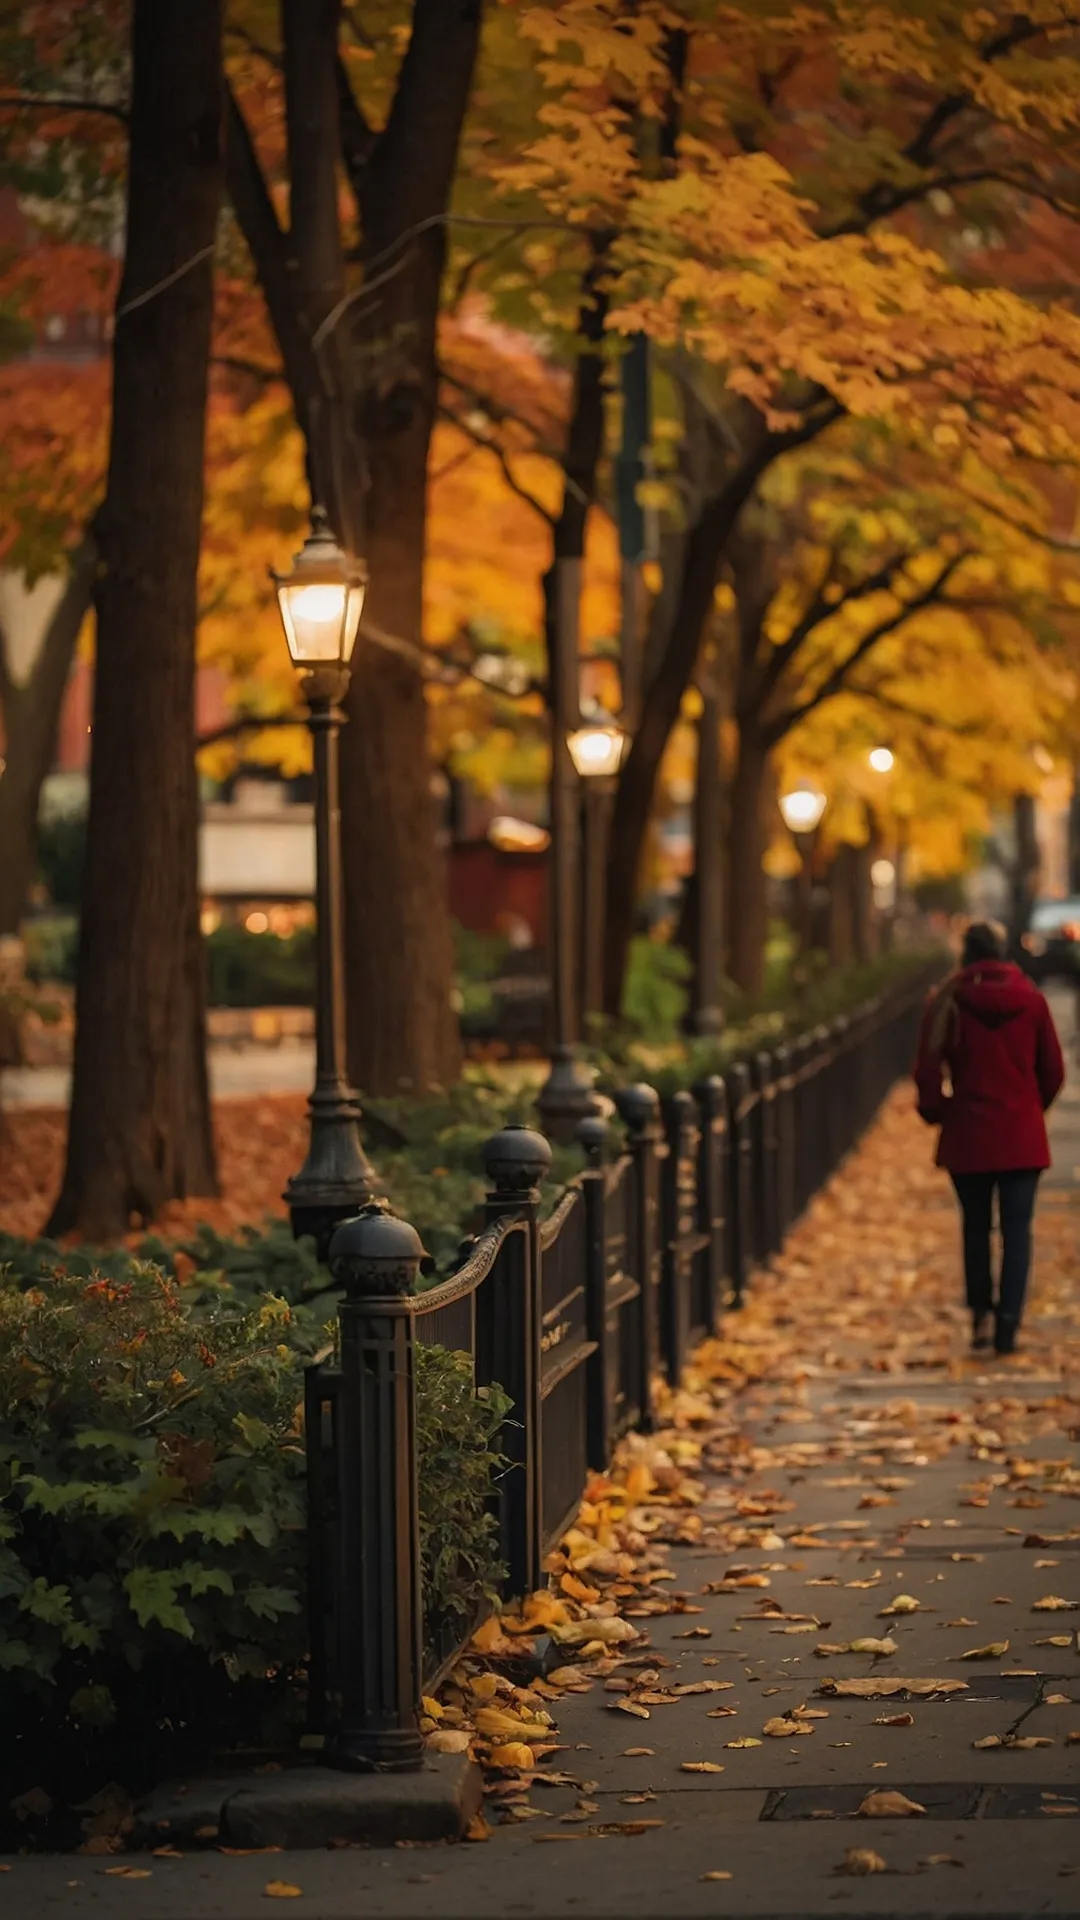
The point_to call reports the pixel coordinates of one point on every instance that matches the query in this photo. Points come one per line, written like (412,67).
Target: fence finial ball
(638,1106)
(376,1254)
(516,1159)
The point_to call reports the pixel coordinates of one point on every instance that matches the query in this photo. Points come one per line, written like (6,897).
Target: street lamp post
(320,601)
(802,810)
(596,750)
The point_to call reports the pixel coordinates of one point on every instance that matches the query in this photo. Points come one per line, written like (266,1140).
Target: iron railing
(578,1317)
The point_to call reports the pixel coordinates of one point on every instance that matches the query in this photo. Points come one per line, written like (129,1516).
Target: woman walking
(989,1034)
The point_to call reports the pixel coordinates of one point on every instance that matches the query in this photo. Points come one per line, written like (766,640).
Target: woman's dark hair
(982,941)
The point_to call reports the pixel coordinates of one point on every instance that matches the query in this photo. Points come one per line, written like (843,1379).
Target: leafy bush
(52,948)
(151,1494)
(152,1503)
(656,993)
(260,969)
(457,1433)
(62,855)
(478,960)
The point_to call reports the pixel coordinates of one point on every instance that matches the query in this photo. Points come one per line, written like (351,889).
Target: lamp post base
(336,1178)
(566,1097)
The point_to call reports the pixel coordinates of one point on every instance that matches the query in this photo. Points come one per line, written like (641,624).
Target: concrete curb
(312,1807)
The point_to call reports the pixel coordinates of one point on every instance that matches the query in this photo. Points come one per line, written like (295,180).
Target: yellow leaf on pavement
(884,1804)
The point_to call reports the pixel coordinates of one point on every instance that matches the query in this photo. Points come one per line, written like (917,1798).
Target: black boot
(1005,1333)
(982,1329)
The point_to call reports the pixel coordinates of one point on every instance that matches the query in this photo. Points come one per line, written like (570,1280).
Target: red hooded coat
(991,1032)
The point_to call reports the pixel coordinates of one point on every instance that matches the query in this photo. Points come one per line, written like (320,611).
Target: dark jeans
(1016,1204)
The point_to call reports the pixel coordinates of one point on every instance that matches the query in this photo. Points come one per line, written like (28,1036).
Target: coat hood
(993,991)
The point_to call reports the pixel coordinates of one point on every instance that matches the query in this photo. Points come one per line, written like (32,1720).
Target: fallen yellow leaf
(862,1860)
(282,1890)
(884,1804)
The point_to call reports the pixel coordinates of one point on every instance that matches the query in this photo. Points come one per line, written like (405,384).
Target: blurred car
(1051,945)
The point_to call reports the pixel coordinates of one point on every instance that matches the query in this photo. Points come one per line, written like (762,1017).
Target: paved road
(854,1454)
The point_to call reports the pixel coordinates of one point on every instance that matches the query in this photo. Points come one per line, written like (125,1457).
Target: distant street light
(802,809)
(320,601)
(597,750)
(882,759)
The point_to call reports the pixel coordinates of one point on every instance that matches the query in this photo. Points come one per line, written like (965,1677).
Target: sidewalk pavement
(235,1072)
(860,1477)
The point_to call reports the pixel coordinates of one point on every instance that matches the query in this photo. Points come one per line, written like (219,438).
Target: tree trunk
(403,1031)
(1024,879)
(139,1131)
(708,876)
(747,900)
(842,906)
(862,904)
(363,376)
(562,599)
(31,714)
(703,552)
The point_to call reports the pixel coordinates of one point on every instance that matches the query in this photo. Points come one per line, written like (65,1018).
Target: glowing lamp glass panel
(882,874)
(321,620)
(802,809)
(882,759)
(596,751)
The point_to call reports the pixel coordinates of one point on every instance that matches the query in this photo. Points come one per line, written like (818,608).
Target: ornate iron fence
(578,1317)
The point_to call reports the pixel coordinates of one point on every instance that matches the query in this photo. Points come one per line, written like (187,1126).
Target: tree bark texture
(673,661)
(363,375)
(562,599)
(1024,878)
(140,1131)
(31,715)
(747,900)
(709,877)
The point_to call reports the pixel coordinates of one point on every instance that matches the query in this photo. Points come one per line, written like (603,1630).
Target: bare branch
(270,55)
(251,369)
(502,416)
(821,609)
(56,103)
(488,445)
(836,680)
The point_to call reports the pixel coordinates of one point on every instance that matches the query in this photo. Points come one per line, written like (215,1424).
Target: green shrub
(152,1506)
(52,948)
(62,855)
(457,1432)
(656,992)
(260,969)
(151,1497)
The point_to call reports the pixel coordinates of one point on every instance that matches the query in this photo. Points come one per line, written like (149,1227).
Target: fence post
(639,1107)
(593,1136)
(379,1611)
(784,1123)
(741,1178)
(767,1235)
(679,1217)
(711,1096)
(508,1341)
